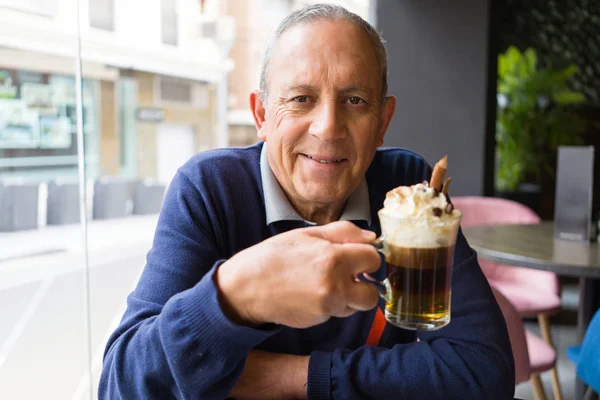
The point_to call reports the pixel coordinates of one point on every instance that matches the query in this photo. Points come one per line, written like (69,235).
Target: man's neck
(319,214)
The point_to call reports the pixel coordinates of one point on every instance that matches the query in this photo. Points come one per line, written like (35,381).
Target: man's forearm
(272,376)
(298,376)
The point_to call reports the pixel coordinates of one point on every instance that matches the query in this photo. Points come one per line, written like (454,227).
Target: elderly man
(248,291)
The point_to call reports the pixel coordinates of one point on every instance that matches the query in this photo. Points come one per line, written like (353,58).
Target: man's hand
(272,376)
(300,278)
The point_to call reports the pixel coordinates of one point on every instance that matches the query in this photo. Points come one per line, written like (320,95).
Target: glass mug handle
(383,287)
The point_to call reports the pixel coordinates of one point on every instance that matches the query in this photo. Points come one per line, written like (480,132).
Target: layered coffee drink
(420,282)
(419,228)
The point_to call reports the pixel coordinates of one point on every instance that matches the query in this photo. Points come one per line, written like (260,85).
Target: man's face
(324,117)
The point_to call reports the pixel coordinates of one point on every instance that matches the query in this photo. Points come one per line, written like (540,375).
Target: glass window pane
(44,337)
(101,14)
(169,22)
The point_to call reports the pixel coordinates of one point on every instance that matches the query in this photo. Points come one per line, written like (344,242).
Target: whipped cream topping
(416,201)
(418,216)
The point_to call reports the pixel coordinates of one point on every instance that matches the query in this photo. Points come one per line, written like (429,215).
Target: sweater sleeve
(471,358)
(174,340)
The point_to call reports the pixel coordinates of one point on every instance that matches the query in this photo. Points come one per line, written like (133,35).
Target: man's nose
(327,124)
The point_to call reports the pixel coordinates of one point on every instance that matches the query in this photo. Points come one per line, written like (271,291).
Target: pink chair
(532,355)
(533,293)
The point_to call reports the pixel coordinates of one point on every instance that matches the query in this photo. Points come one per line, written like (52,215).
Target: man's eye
(355,100)
(300,99)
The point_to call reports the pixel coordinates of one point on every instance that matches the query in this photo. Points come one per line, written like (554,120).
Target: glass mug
(418,255)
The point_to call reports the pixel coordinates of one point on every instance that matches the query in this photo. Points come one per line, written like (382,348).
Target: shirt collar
(278,208)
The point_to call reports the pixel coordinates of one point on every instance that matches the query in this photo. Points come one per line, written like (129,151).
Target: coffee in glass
(419,229)
(418,270)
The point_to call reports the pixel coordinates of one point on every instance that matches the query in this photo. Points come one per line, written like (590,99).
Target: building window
(102,14)
(169,21)
(175,90)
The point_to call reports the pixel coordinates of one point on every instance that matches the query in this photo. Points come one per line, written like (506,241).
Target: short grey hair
(324,12)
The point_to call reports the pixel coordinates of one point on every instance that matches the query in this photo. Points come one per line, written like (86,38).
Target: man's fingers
(362,296)
(343,232)
(359,258)
(347,312)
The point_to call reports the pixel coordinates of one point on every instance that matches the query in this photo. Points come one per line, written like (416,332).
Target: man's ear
(387,113)
(257,108)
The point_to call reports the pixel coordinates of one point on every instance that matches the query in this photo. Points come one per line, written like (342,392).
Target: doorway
(174,146)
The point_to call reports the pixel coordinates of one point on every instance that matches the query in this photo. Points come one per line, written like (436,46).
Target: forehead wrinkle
(313,78)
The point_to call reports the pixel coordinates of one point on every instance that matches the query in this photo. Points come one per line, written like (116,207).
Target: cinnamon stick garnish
(437,176)
(446,186)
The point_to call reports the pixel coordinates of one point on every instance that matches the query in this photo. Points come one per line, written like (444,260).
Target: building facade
(152,85)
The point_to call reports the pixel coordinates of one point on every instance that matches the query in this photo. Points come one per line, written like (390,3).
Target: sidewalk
(47,299)
(35,255)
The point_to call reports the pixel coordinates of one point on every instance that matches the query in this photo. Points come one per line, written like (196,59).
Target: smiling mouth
(332,161)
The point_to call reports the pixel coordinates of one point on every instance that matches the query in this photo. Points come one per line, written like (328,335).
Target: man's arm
(470,358)
(189,323)
(272,376)
(174,339)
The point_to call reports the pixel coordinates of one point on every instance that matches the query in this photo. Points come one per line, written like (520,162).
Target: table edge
(535,263)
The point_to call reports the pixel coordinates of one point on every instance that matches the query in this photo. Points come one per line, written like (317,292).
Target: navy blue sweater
(175,342)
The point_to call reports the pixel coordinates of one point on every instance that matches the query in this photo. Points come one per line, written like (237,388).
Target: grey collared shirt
(278,208)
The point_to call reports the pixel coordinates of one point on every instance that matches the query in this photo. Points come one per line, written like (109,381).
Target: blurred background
(102,100)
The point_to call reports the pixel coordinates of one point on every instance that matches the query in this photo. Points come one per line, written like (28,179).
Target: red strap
(376,328)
